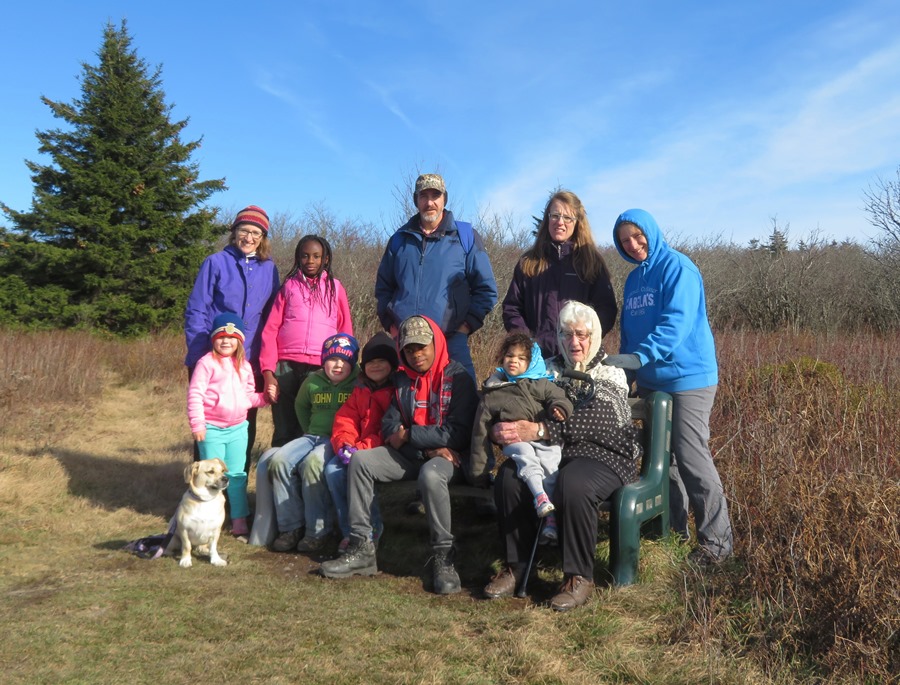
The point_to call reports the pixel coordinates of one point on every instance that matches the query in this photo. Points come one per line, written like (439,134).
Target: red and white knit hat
(252,215)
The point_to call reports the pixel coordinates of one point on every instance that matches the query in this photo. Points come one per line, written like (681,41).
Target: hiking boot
(504,584)
(358,560)
(311,544)
(287,542)
(575,591)
(446,579)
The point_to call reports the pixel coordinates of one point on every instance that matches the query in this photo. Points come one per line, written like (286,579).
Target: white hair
(570,315)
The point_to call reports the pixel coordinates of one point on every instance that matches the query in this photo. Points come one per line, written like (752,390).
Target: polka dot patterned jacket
(602,430)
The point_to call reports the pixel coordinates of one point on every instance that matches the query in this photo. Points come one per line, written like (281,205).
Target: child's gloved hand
(345,453)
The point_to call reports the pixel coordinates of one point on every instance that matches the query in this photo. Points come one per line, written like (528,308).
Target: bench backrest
(655,414)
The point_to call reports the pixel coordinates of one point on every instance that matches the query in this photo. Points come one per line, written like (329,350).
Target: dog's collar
(197,497)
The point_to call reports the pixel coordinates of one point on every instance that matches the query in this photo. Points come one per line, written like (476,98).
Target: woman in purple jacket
(241,278)
(563,264)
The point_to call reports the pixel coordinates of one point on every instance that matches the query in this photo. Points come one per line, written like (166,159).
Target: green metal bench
(646,501)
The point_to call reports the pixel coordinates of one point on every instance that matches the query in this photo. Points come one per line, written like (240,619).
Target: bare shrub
(807,450)
(48,378)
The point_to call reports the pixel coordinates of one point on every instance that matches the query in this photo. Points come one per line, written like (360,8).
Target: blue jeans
(230,445)
(458,351)
(336,477)
(299,488)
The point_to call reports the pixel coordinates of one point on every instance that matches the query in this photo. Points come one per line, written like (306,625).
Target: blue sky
(714,116)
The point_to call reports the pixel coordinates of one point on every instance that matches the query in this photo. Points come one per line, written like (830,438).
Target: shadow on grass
(113,483)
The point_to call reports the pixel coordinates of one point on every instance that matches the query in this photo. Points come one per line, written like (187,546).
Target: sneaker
(446,579)
(359,560)
(311,544)
(575,591)
(549,533)
(504,584)
(287,542)
(543,505)
(239,526)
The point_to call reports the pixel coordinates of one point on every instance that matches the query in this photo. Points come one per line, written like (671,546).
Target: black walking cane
(523,584)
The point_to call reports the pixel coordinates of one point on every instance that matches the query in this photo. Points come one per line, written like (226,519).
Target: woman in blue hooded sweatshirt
(667,341)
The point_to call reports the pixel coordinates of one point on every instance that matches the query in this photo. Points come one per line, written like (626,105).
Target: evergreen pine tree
(116,232)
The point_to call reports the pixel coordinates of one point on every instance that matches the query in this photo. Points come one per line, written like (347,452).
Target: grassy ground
(76,608)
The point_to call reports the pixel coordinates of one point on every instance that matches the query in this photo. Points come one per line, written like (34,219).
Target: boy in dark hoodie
(357,425)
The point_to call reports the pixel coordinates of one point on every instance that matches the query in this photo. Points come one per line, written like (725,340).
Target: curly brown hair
(521,339)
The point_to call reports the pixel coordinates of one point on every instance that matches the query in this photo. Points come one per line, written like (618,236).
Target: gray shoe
(358,560)
(287,542)
(446,579)
(705,557)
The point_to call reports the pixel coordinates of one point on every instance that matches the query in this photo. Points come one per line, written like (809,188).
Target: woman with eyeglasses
(599,453)
(241,278)
(668,343)
(563,264)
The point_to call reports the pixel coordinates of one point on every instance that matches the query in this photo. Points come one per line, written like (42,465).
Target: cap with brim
(430,182)
(415,331)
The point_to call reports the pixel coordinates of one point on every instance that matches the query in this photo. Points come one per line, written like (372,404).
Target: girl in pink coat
(220,394)
(310,306)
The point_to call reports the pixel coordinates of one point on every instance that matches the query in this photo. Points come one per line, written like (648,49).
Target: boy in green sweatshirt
(303,505)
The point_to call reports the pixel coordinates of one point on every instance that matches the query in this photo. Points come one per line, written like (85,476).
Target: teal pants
(230,445)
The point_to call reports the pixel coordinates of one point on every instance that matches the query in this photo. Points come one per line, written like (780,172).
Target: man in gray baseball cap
(437,267)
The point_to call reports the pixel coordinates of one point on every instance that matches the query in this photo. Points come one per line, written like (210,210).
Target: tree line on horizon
(120,223)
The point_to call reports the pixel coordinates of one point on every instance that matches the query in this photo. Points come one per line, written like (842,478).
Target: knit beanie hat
(381,346)
(227,324)
(252,215)
(341,345)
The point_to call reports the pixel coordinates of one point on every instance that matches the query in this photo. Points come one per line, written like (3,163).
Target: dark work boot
(358,560)
(446,579)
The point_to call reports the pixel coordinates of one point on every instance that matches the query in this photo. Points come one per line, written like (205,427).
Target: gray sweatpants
(693,479)
(385,465)
(537,463)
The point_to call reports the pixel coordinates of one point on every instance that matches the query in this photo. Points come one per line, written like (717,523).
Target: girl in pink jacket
(310,306)
(220,393)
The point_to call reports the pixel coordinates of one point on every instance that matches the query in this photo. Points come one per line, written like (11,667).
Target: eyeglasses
(581,336)
(568,220)
(244,233)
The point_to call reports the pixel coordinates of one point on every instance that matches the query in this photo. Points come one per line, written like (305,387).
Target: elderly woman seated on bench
(600,447)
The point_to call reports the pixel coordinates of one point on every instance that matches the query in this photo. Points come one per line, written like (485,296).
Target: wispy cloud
(800,148)
(304,108)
